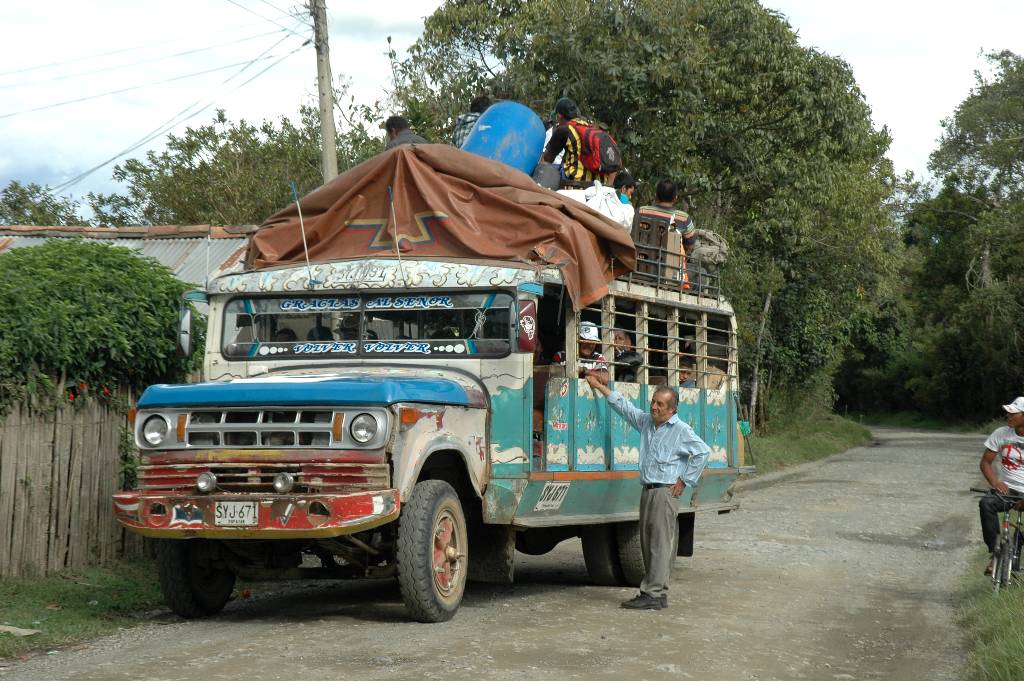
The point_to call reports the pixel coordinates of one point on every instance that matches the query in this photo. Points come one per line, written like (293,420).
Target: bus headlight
(363,428)
(155,429)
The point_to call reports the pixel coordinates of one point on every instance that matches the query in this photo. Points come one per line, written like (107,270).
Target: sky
(82,82)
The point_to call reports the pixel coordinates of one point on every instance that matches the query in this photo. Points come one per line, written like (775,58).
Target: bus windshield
(370,325)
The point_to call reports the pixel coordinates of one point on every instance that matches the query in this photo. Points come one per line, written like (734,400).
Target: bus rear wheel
(601,555)
(631,554)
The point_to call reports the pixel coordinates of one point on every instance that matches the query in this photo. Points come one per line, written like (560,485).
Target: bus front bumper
(254,516)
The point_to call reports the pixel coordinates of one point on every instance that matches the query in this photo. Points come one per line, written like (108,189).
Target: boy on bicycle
(1006,442)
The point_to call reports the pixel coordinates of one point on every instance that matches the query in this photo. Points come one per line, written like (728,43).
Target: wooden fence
(57,474)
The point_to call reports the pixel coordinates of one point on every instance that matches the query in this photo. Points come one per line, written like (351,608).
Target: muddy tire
(631,554)
(193,580)
(433,552)
(601,555)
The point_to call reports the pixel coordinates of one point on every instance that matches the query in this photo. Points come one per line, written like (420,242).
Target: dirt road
(841,569)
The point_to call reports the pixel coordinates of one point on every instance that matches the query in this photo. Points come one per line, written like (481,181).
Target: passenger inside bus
(285,335)
(319,333)
(627,360)
(687,372)
(588,357)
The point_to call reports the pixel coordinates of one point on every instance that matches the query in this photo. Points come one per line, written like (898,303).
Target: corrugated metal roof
(186,257)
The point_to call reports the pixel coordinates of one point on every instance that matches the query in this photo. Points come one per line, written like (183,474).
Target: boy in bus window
(687,373)
(590,359)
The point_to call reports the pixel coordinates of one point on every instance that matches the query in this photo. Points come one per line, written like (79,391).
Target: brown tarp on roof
(448,204)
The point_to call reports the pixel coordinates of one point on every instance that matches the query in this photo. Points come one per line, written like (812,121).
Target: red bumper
(307,516)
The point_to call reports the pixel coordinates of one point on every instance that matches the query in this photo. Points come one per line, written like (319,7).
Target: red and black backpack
(599,153)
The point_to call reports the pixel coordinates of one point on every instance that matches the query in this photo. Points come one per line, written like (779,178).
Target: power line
(181,116)
(138,63)
(254,12)
(79,59)
(284,12)
(126,89)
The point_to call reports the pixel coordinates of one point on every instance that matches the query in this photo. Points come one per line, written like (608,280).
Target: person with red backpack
(590,152)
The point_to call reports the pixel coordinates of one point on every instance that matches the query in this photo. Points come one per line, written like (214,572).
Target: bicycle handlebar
(1017,497)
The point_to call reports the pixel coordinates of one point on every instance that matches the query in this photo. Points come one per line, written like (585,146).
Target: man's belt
(655,485)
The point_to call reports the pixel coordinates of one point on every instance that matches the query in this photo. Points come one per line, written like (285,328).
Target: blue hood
(329,391)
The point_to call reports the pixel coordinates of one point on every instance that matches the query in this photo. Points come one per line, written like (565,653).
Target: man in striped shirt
(672,457)
(664,208)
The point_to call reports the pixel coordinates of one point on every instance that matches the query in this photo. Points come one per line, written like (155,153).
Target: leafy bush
(83,318)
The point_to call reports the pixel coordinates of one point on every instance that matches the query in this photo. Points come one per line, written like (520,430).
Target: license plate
(235,513)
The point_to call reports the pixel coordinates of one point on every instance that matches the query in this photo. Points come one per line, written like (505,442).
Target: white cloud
(55,144)
(914,60)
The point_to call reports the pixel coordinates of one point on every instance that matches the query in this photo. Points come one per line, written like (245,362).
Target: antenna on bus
(394,237)
(302,227)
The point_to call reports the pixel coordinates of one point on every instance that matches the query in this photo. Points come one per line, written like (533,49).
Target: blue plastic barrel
(508,132)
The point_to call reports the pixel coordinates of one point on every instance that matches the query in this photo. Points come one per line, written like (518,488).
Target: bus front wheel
(193,578)
(432,552)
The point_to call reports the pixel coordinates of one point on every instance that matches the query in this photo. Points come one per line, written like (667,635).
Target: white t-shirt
(1010,448)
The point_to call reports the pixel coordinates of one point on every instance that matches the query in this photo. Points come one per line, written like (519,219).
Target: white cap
(588,332)
(1015,407)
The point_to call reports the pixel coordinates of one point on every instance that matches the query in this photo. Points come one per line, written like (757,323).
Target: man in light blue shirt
(672,456)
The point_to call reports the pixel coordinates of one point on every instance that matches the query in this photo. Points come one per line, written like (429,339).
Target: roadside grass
(991,624)
(76,605)
(805,440)
(915,420)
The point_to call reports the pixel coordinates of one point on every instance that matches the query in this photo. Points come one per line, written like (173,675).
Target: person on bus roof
(399,132)
(564,142)
(664,208)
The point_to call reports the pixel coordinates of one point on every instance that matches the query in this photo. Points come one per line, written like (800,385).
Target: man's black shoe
(644,601)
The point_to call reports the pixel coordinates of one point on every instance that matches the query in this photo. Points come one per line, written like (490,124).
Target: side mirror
(185,320)
(185,330)
(527,325)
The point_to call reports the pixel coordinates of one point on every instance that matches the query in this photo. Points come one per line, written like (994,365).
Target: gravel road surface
(844,569)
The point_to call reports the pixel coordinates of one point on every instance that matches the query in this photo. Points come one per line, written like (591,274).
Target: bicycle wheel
(996,565)
(1018,544)
(1001,570)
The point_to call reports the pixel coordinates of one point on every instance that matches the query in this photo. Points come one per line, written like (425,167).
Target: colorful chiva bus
(375,418)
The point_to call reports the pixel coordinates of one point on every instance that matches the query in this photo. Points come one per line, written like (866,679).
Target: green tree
(33,204)
(89,314)
(961,346)
(773,143)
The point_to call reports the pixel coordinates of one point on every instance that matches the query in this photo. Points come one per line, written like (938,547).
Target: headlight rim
(356,421)
(145,435)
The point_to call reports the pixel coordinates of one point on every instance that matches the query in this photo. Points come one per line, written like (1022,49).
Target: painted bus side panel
(590,428)
(606,496)
(712,487)
(717,426)
(625,440)
(559,415)
(579,497)
(509,381)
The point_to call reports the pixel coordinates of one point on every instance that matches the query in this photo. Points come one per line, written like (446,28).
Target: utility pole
(325,84)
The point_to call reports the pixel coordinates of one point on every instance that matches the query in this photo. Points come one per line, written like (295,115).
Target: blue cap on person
(1015,407)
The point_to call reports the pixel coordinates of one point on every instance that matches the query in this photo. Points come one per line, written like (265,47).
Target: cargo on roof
(433,201)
